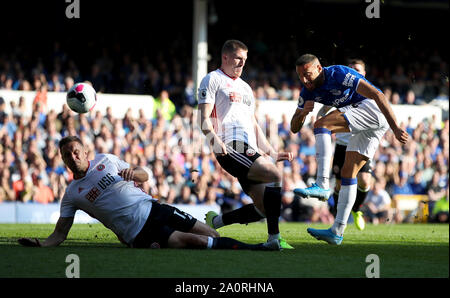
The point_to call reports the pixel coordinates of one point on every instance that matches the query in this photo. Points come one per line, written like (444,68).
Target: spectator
(440,210)
(435,191)
(164,105)
(2,109)
(7,193)
(189,97)
(40,100)
(309,148)
(284,127)
(402,187)
(285,93)
(211,197)
(377,206)
(176,183)
(186,196)
(418,186)
(41,193)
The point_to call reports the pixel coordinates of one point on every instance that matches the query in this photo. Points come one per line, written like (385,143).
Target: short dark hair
(305,59)
(232,45)
(66,140)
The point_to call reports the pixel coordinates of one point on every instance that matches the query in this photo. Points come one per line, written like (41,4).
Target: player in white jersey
(106,188)
(364,175)
(227,118)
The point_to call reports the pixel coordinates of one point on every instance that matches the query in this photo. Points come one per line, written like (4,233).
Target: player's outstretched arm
(58,236)
(261,140)
(266,147)
(369,91)
(299,117)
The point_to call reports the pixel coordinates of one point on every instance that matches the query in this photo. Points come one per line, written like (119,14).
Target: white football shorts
(367,125)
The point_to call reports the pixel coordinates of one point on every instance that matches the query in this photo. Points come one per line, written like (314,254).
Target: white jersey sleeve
(208,89)
(67,208)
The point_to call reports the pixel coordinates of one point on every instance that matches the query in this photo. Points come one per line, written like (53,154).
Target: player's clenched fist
(127,174)
(309,106)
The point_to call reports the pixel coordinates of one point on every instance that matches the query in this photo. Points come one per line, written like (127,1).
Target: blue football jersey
(338,89)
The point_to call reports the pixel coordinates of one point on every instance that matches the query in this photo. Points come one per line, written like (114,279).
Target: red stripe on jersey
(214,118)
(233,78)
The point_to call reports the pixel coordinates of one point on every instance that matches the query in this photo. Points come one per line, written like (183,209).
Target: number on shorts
(179,214)
(182,215)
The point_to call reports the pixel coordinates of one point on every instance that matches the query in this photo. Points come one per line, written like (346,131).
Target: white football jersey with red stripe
(120,205)
(234,107)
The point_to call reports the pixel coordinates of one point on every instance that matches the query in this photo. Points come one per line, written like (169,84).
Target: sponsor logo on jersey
(106,180)
(93,194)
(100,167)
(301,101)
(237,97)
(348,81)
(340,100)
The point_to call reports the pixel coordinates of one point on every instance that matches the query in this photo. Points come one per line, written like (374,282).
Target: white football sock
(210,242)
(323,155)
(347,197)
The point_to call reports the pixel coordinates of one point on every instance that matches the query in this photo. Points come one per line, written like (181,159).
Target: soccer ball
(81,98)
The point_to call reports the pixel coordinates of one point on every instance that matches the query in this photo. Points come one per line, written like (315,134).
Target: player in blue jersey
(364,175)
(362,109)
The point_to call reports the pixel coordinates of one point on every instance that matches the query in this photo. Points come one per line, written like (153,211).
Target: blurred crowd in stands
(269,71)
(186,172)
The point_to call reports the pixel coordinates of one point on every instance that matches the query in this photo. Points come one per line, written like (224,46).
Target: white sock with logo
(324,154)
(347,197)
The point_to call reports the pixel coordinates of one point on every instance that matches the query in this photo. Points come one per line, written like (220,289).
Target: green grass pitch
(404,251)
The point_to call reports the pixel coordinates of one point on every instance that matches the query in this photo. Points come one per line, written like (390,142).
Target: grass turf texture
(404,250)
